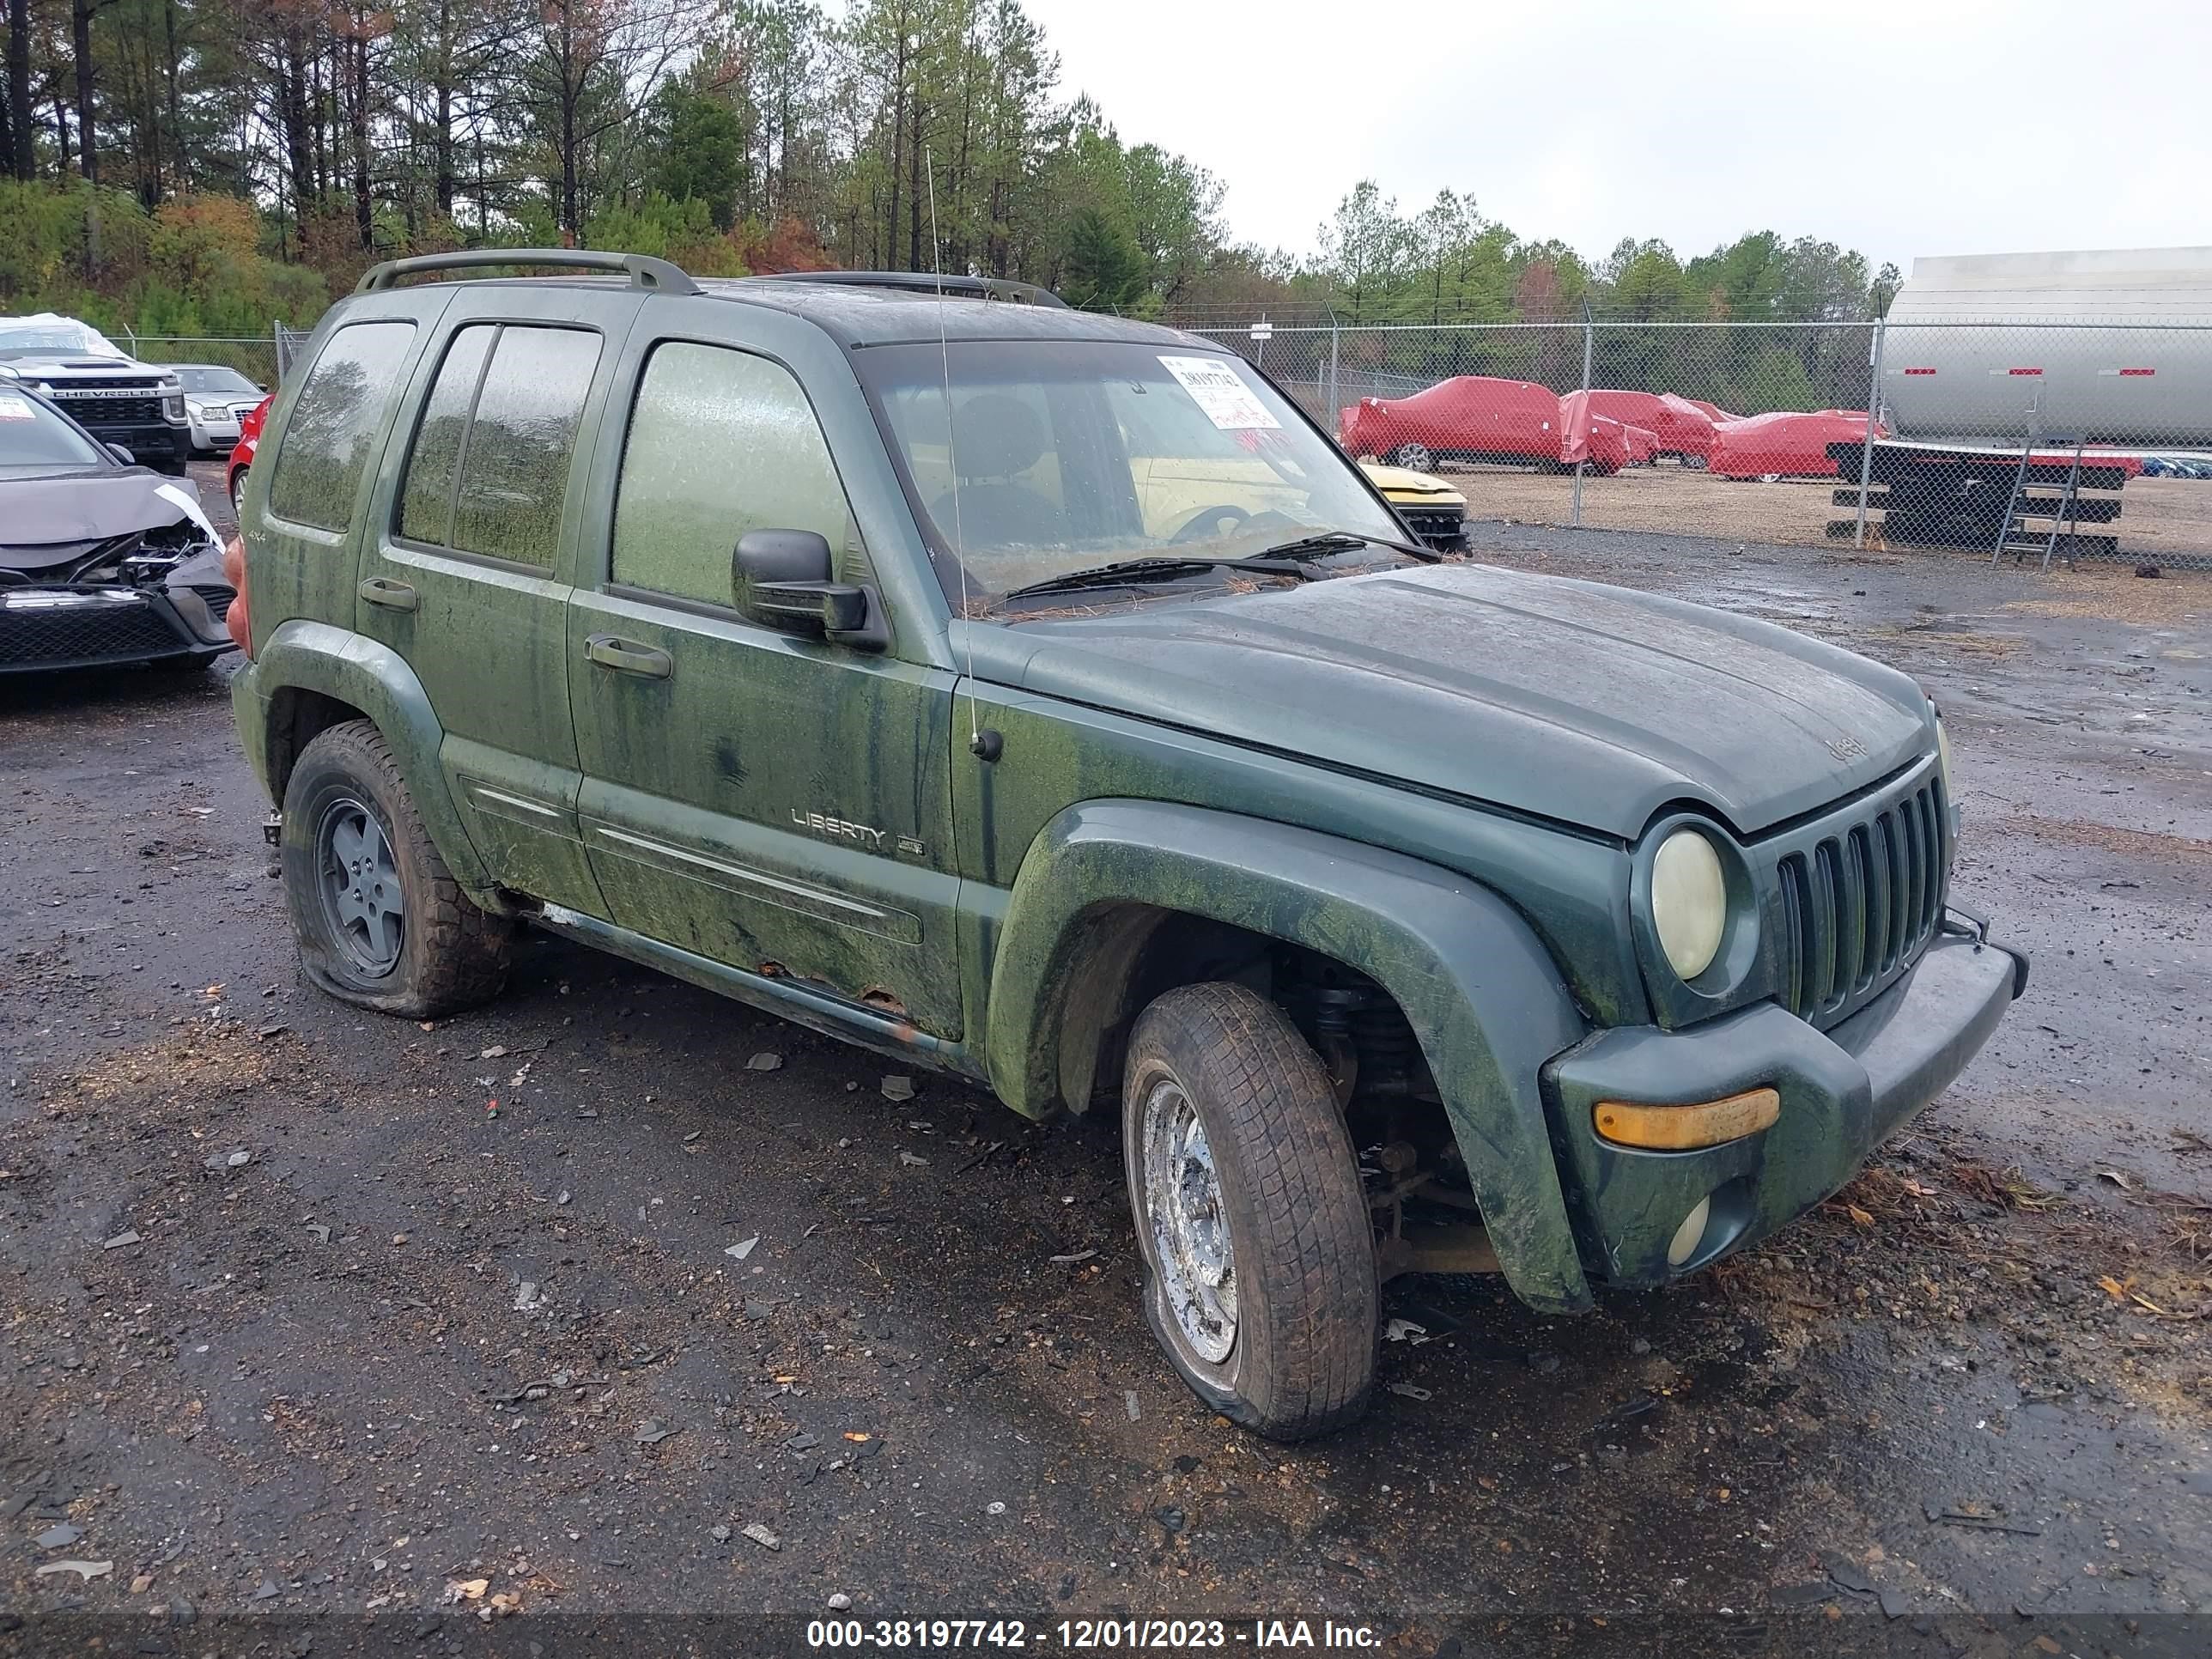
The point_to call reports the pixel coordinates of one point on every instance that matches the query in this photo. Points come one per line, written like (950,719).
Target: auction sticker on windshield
(1217,389)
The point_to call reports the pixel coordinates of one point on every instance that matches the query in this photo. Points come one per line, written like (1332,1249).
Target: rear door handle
(629,657)
(391,595)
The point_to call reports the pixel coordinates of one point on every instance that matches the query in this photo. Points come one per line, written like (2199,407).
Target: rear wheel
(380,920)
(1259,1253)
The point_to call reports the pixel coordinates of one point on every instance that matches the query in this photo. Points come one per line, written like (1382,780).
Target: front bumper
(160,445)
(1443,528)
(1843,1090)
(211,435)
(83,625)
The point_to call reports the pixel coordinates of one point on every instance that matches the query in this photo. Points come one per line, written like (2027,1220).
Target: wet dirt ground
(328,1327)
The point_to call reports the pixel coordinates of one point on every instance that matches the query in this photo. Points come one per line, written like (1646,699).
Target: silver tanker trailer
(2106,356)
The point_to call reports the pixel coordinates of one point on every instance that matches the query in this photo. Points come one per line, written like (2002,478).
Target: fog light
(1690,1233)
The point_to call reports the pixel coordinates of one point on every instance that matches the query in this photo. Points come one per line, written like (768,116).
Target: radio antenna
(952,455)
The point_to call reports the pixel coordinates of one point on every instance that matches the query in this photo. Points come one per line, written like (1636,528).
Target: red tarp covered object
(1786,443)
(1468,417)
(1680,426)
(1588,434)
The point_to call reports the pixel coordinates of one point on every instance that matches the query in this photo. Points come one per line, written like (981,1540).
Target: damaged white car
(100,561)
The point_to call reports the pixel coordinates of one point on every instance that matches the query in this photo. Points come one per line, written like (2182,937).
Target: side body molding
(339,663)
(1482,994)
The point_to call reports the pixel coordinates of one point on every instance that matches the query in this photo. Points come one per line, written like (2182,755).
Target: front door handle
(629,657)
(391,595)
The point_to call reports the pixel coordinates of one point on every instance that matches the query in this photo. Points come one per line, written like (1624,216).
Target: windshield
(1062,456)
(33,435)
(62,338)
(203,380)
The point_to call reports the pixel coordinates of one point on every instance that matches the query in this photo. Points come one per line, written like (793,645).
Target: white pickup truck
(132,405)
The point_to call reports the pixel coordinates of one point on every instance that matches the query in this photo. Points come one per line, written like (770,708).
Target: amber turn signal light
(1682,1128)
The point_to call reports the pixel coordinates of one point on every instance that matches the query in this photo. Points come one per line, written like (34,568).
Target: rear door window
(334,423)
(490,468)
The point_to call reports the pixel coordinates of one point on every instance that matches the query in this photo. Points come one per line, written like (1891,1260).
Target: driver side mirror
(784,578)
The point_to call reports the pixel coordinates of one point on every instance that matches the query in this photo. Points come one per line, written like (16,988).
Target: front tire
(1258,1250)
(1414,457)
(380,920)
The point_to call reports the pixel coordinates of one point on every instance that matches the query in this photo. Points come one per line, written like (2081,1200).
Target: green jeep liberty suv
(1042,697)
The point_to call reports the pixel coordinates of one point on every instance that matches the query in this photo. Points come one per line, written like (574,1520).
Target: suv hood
(1590,705)
(68,366)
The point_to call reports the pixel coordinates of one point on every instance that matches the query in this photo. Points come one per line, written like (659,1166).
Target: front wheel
(1414,457)
(1259,1254)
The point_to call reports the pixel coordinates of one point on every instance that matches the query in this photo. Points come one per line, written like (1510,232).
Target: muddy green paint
(1444,779)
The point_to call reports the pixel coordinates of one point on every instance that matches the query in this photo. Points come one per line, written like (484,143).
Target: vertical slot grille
(1858,903)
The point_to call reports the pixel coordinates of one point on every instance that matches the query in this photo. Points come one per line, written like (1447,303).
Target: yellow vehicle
(1431,508)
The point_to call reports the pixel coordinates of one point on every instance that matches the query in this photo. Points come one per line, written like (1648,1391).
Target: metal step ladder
(2017,539)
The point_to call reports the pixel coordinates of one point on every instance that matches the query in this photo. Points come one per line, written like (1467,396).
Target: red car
(1712,412)
(1684,431)
(1605,443)
(1469,417)
(1786,443)
(242,455)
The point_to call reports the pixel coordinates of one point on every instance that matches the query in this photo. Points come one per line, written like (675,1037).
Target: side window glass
(721,442)
(326,441)
(426,499)
(514,459)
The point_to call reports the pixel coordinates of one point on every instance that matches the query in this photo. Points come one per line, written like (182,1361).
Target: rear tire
(380,920)
(1258,1249)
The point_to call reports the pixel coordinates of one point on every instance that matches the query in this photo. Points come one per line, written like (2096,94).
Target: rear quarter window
(326,443)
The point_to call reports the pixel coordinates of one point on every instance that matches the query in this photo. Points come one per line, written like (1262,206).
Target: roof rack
(923,281)
(644,270)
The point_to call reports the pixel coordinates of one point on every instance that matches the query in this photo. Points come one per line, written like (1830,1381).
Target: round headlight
(1689,901)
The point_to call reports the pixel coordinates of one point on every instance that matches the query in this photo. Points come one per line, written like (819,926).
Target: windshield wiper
(1337,541)
(1129,572)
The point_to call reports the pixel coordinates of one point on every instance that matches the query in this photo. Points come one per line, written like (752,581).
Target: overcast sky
(1937,126)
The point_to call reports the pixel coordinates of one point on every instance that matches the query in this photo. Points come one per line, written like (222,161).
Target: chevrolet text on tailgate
(1042,697)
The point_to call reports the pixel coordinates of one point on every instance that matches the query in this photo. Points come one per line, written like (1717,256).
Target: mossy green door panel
(458,574)
(775,802)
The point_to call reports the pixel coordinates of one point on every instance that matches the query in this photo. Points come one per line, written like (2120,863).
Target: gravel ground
(2169,519)
(326,1327)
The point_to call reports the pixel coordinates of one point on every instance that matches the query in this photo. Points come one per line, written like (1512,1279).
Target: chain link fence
(2037,441)
(262,359)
